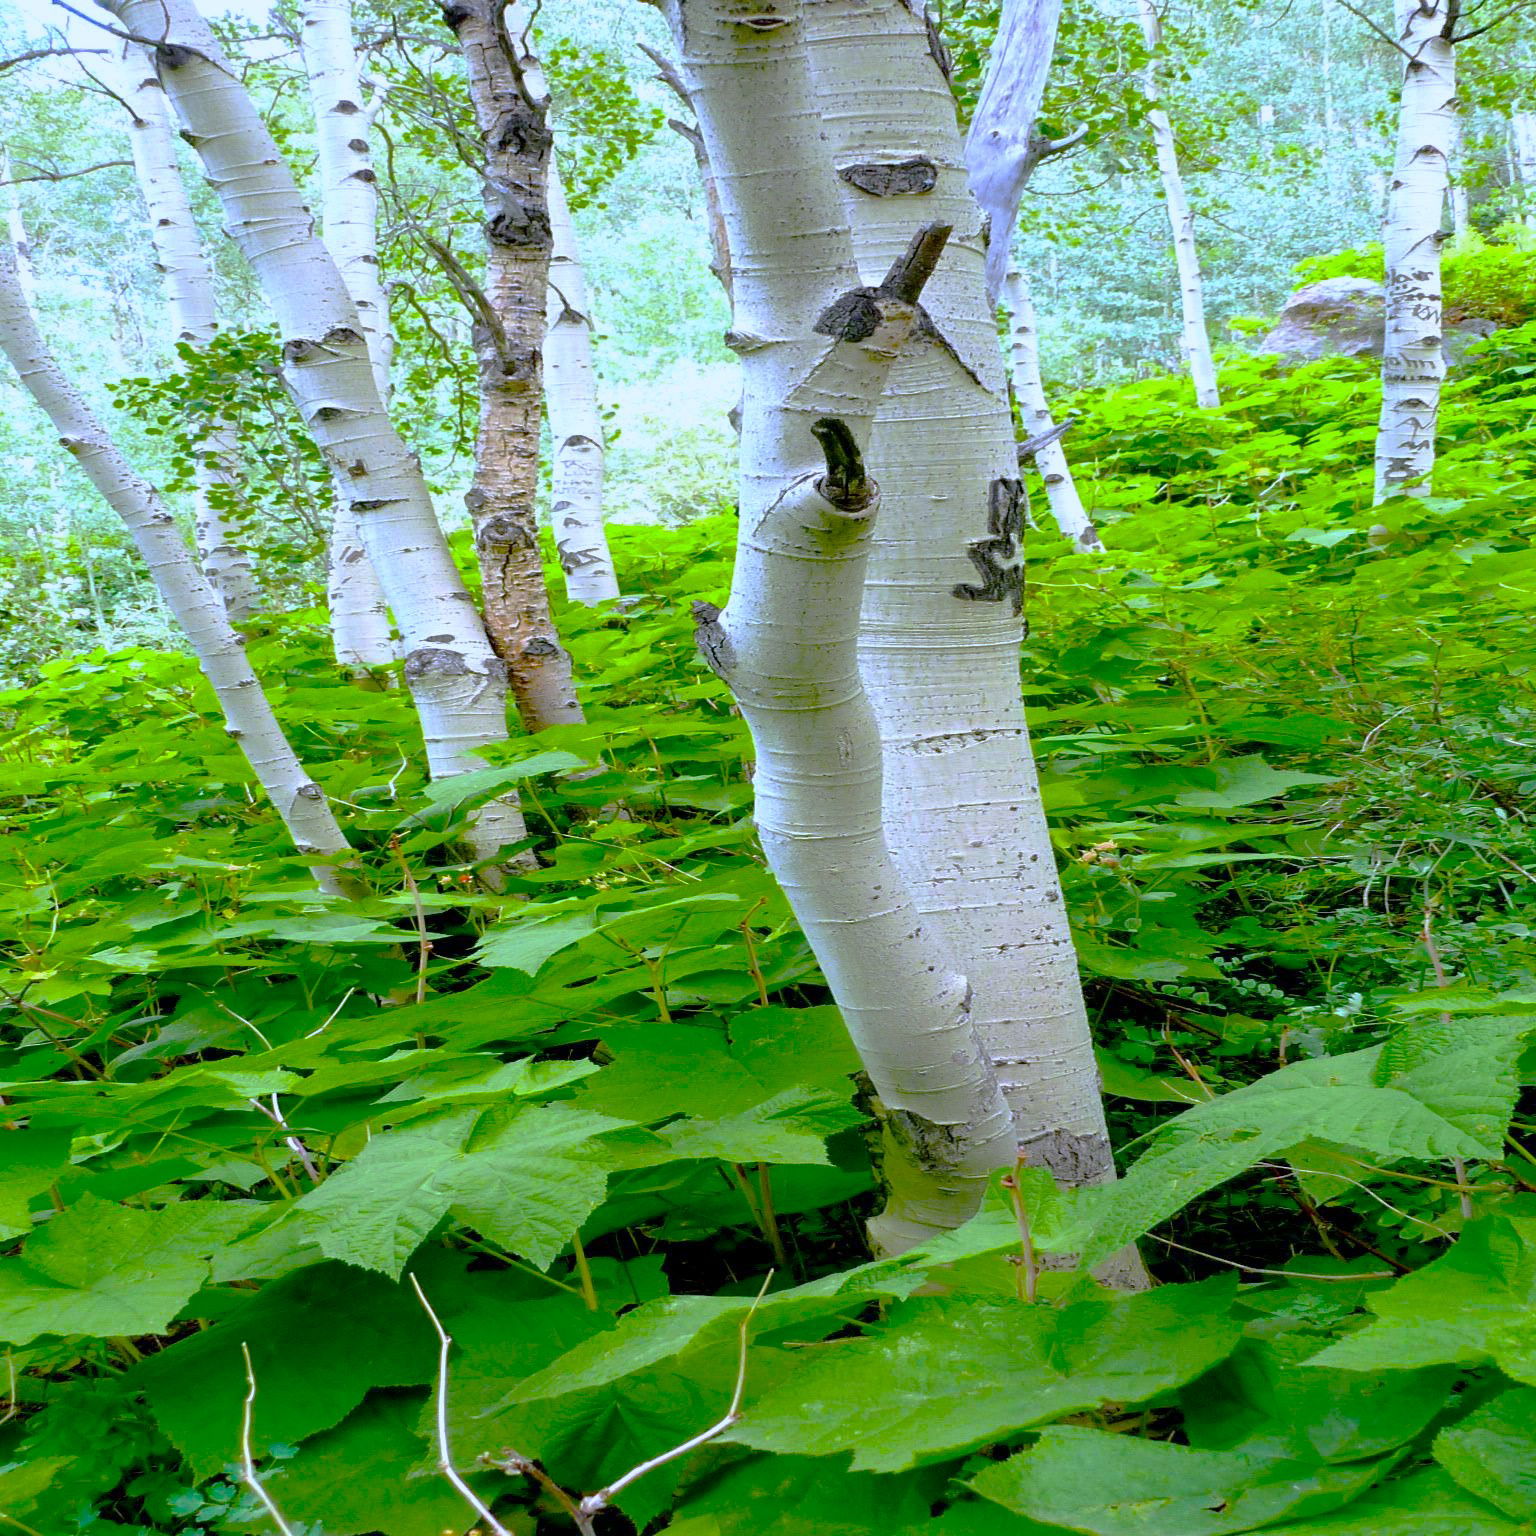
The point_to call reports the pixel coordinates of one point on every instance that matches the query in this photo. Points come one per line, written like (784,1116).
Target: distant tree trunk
(1413,362)
(16,228)
(1000,149)
(575,423)
(814,352)
(1196,337)
(457,682)
(248,717)
(349,203)
(1522,130)
(1024,364)
(511,107)
(192,306)
(942,624)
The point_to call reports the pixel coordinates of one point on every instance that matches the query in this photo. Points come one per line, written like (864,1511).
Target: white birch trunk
(349,201)
(787,640)
(1522,132)
(575,423)
(1029,388)
(198,609)
(16,228)
(193,311)
(1413,362)
(941,628)
(457,683)
(999,149)
(1196,338)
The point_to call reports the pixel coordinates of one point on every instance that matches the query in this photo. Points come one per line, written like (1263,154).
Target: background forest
(524,1183)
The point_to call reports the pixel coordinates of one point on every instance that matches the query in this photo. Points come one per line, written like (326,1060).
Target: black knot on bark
(518,223)
(174,56)
(851,317)
(430,661)
(455,14)
(505,530)
(341,336)
(540,646)
(845,483)
(901,178)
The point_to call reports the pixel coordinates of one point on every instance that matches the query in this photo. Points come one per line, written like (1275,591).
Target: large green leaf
(29,1162)
(1425,1504)
(1451,1311)
(1492,1452)
(943,1376)
(109,1269)
(1120,1485)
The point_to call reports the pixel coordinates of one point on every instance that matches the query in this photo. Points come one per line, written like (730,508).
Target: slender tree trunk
(512,112)
(1413,361)
(1196,338)
(16,228)
(941,628)
(575,423)
(1029,388)
(1522,130)
(1001,148)
(192,306)
(360,627)
(220,652)
(814,353)
(456,680)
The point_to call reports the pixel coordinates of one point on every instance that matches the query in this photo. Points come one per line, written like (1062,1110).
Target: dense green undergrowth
(1289,744)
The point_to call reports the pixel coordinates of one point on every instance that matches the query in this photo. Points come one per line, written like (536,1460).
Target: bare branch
(594,1502)
(444,1453)
(1387,38)
(247,1465)
(42,175)
(44,53)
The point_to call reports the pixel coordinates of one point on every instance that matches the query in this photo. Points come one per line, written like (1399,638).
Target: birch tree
(196,606)
(816,349)
(1413,359)
(511,105)
(457,682)
(349,206)
(1522,134)
(575,423)
(192,309)
(941,627)
(1195,337)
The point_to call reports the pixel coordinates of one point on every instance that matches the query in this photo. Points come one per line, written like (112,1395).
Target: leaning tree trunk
(1413,360)
(457,682)
(1029,389)
(575,423)
(815,350)
(349,202)
(512,113)
(189,296)
(248,717)
(942,626)
(16,227)
(1181,218)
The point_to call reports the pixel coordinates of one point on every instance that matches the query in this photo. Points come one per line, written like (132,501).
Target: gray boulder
(1346,317)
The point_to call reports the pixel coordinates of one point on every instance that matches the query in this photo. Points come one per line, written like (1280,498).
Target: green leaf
(1119,1485)
(529,944)
(319,1340)
(1452,1310)
(103,1270)
(944,1376)
(1246,781)
(29,1162)
(1492,1452)
(1424,1504)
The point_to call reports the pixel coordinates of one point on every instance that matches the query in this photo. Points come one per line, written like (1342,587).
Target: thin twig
(1253,1269)
(444,1454)
(594,1502)
(247,1465)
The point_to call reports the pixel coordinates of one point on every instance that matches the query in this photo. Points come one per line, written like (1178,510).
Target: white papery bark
(16,228)
(998,146)
(1522,132)
(220,652)
(1029,388)
(941,628)
(192,306)
(1196,338)
(457,683)
(575,423)
(349,204)
(787,640)
(1413,360)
